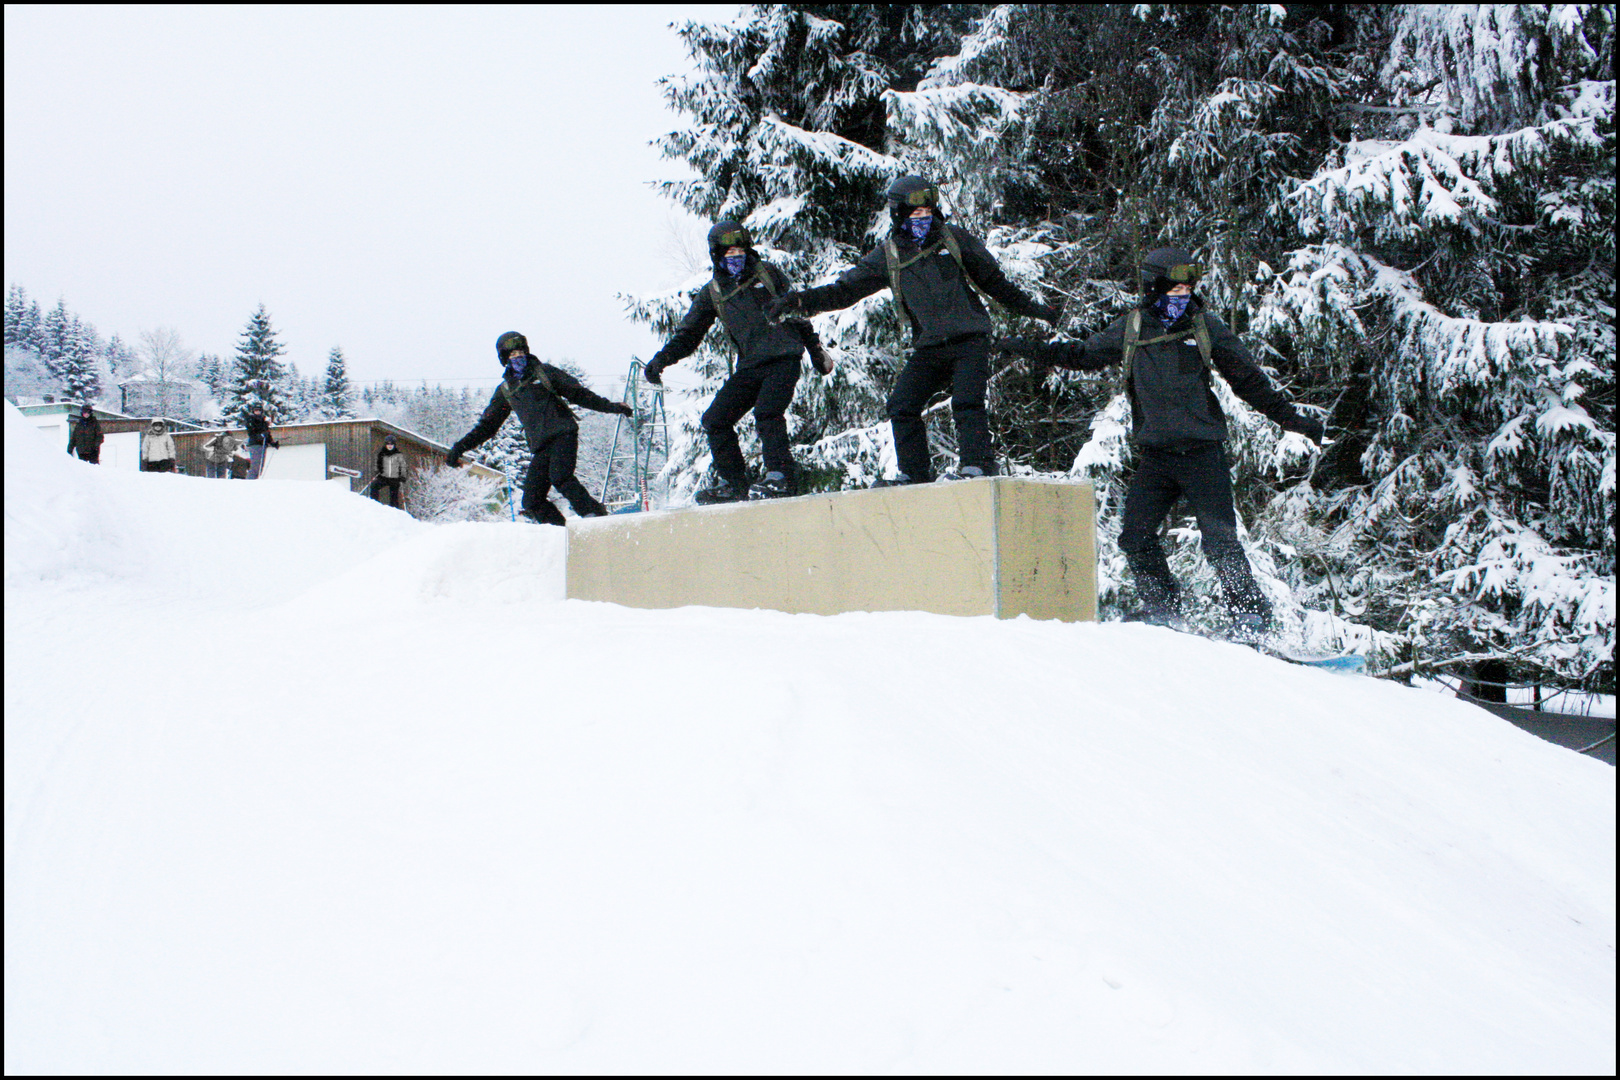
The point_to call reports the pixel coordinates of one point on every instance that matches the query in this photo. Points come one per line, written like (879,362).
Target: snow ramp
(392,805)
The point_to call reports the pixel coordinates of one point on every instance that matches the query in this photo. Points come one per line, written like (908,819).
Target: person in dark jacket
(768,354)
(936,270)
(258,440)
(390,472)
(539,393)
(1179,430)
(85,438)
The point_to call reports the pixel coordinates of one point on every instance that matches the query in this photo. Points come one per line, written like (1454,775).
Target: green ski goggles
(928,196)
(735,238)
(1186,273)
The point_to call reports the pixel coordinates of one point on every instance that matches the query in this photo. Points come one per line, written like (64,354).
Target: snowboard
(1343,663)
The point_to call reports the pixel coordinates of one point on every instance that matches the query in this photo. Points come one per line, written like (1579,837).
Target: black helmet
(389,441)
(728,233)
(1168,267)
(85,408)
(907,193)
(507,342)
(912,192)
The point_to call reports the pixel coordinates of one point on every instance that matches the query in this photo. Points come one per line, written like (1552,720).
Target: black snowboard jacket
(941,306)
(258,430)
(742,310)
(540,400)
(86,437)
(1172,399)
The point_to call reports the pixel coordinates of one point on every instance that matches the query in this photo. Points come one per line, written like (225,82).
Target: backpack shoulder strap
(1206,348)
(891,257)
(1133,338)
(955,249)
(766,276)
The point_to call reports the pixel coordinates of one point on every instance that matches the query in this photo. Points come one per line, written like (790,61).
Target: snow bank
(415,813)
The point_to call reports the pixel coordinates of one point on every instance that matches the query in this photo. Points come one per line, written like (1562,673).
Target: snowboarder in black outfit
(768,355)
(1168,346)
(86,437)
(259,440)
(539,393)
(935,271)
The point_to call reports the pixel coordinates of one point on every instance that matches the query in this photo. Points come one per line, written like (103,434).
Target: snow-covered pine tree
(1435,185)
(55,333)
(79,366)
(337,398)
(785,128)
(1456,280)
(19,334)
(257,374)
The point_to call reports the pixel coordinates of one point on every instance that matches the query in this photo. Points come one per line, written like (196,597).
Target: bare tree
(683,245)
(170,365)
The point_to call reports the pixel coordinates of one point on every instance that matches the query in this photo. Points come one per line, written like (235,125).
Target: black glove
(622,408)
(453,458)
(1308,426)
(276,443)
(654,371)
(1049,314)
(787,304)
(820,359)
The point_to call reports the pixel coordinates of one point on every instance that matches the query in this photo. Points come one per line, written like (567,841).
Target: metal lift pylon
(649,434)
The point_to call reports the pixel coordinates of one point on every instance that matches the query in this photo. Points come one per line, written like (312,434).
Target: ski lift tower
(631,454)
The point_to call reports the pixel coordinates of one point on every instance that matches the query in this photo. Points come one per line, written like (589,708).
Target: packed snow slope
(296,784)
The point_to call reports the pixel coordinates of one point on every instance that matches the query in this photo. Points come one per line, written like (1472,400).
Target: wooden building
(335,450)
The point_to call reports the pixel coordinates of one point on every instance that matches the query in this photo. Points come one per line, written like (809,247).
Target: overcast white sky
(404,182)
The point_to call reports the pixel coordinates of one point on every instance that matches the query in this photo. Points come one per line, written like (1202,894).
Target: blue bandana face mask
(1172,308)
(735,264)
(919,227)
(517,364)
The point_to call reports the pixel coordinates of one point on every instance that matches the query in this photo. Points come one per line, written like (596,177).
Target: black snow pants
(767,389)
(964,366)
(392,484)
(1200,473)
(552,465)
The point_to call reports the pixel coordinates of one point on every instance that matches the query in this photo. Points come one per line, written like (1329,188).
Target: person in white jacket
(157,449)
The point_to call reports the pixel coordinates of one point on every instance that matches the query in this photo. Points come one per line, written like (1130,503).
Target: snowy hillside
(294,783)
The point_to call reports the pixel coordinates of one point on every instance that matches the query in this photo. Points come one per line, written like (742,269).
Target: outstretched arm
(577,392)
(495,414)
(1237,366)
(987,274)
(689,334)
(858,282)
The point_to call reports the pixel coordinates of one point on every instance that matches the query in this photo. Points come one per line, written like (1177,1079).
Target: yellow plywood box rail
(1003,547)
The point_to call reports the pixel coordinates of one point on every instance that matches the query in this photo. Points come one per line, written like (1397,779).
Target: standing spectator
(157,449)
(258,440)
(85,438)
(390,472)
(219,451)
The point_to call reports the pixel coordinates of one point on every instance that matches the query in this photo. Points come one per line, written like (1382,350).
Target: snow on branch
(1406,189)
(952,119)
(780,151)
(980,50)
(1325,284)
